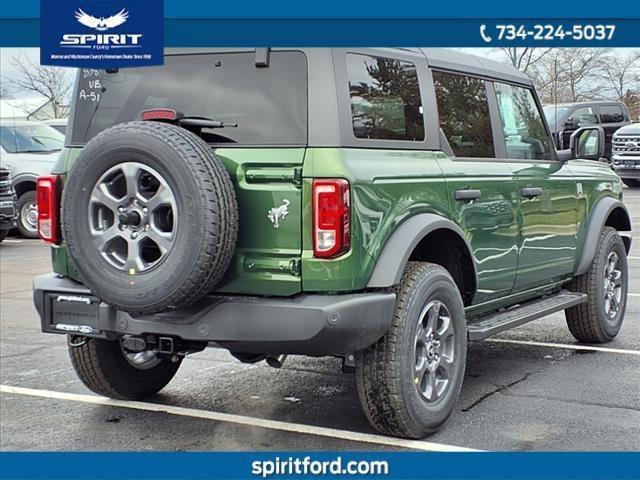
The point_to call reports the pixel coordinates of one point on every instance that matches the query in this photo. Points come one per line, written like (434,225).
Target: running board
(514,317)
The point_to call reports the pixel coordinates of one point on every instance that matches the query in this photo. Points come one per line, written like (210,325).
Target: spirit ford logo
(101,39)
(101,24)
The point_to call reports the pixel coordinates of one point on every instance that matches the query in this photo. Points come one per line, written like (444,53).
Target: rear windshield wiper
(204,122)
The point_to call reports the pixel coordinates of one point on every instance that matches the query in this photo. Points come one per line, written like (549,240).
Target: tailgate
(268,187)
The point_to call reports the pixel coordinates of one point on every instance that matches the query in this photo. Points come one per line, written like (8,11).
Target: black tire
(26,228)
(103,368)
(386,371)
(3,234)
(631,182)
(590,321)
(204,243)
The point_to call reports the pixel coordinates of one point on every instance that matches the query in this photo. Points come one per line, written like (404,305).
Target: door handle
(466,195)
(531,192)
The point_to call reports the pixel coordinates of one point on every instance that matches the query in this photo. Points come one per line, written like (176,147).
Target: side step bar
(513,317)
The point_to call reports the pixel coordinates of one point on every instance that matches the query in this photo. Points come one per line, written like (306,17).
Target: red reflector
(331,217)
(48,208)
(159,114)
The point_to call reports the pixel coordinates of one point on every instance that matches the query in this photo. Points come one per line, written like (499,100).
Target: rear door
(481,188)
(546,190)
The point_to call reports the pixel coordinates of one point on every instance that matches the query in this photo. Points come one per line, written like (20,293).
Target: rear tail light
(331,217)
(48,208)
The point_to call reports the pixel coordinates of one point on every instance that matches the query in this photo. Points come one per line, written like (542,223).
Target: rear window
(268,104)
(611,114)
(385,98)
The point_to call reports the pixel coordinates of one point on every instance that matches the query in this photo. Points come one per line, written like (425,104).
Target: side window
(464,114)
(524,132)
(385,98)
(584,116)
(611,114)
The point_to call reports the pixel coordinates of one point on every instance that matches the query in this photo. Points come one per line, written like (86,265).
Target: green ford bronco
(386,206)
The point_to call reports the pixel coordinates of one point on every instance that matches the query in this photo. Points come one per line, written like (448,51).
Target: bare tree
(622,73)
(4,92)
(53,83)
(523,58)
(569,75)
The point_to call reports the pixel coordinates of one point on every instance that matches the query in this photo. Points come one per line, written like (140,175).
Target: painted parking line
(633,294)
(239,420)
(566,346)
(633,258)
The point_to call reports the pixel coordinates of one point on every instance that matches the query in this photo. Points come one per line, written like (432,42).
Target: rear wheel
(600,318)
(28,215)
(631,182)
(107,369)
(409,381)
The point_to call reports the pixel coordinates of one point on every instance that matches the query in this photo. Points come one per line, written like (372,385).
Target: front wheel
(410,379)
(107,369)
(599,319)
(27,221)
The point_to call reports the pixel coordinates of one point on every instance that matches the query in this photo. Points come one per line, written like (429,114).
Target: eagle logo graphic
(101,24)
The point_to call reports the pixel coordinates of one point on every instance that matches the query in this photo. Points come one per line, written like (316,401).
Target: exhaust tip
(277,361)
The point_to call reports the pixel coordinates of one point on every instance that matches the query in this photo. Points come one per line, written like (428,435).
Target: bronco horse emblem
(279,213)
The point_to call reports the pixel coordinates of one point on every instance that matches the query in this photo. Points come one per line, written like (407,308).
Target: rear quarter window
(268,104)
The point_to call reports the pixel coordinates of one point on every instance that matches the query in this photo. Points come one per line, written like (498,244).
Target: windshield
(269,104)
(554,113)
(36,138)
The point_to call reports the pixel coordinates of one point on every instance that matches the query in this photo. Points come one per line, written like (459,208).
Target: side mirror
(570,123)
(587,143)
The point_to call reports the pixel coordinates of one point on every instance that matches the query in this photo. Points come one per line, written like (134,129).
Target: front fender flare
(598,220)
(402,242)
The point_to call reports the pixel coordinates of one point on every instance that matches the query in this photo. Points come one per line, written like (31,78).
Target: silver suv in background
(28,150)
(626,154)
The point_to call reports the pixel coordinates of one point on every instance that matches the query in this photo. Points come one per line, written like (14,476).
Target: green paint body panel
(521,246)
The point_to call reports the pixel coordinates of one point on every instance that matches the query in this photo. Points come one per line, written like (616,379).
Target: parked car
(7,204)
(59,124)
(626,154)
(28,149)
(566,118)
(385,206)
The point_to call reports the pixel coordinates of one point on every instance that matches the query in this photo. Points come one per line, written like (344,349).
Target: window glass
(464,114)
(584,116)
(385,98)
(611,114)
(268,104)
(30,138)
(524,131)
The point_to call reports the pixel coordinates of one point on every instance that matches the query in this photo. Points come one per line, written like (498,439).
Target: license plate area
(74,314)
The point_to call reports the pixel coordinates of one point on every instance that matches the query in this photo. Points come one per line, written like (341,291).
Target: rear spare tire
(149,217)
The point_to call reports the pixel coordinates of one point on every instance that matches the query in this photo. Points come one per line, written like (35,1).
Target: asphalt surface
(515,396)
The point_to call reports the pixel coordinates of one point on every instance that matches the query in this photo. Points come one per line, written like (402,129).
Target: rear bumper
(305,324)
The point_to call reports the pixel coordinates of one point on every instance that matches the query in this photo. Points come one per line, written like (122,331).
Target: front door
(547,191)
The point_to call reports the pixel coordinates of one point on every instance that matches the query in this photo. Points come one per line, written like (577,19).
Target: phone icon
(484,35)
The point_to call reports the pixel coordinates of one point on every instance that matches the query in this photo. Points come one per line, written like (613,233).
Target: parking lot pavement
(520,393)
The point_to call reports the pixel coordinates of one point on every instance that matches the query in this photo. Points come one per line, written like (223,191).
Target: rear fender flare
(402,242)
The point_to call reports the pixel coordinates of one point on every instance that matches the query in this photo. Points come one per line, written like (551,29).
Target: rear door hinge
(297,176)
(296,267)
